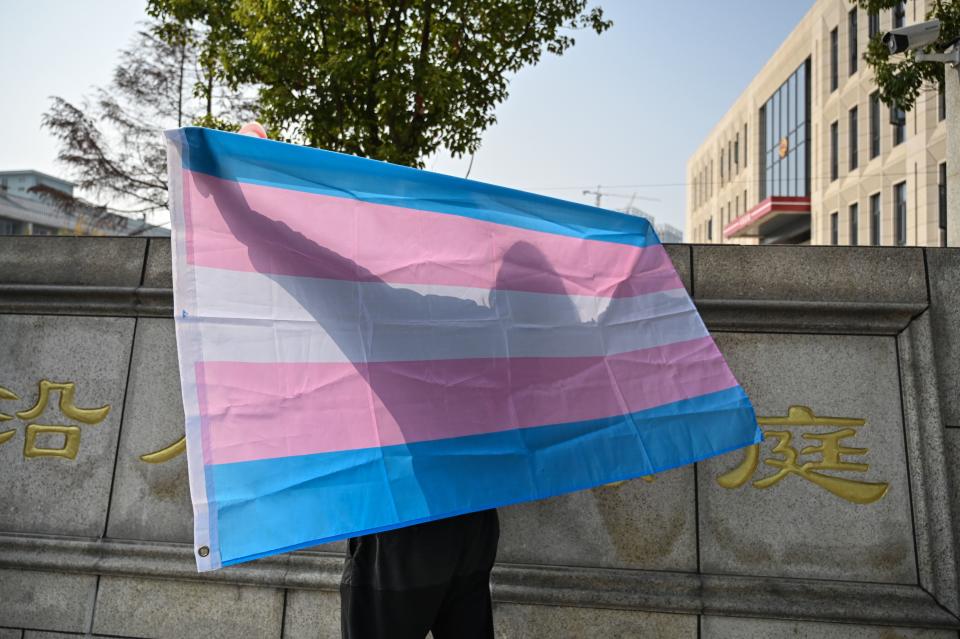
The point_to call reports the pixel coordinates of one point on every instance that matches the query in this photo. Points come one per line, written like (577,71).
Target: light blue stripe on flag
(247,159)
(441,478)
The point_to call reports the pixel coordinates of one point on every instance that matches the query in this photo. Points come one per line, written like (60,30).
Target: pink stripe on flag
(261,411)
(249,227)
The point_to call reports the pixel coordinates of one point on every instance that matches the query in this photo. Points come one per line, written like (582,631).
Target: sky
(623,110)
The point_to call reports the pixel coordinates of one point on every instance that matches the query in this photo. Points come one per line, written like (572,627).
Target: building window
(745,197)
(852,40)
(873,24)
(874,124)
(784,138)
(834,228)
(854,159)
(899,13)
(834,143)
(942,202)
(899,121)
(745,155)
(875,219)
(900,212)
(729,159)
(834,62)
(736,152)
(710,230)
(736,207)
(854,224)
(721,166)
(941,103)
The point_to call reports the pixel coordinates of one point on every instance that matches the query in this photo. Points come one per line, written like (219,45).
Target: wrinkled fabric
(365,347)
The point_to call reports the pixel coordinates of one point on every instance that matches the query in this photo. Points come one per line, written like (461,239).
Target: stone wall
(841,524)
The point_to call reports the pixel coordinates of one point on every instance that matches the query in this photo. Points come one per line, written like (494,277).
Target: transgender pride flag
(365,346)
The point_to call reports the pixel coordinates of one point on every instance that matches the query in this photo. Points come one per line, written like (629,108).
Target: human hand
(253,128)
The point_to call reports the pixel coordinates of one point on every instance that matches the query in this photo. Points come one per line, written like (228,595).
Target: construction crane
(599,193)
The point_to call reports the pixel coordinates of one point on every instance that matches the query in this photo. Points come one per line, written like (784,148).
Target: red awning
(749,223)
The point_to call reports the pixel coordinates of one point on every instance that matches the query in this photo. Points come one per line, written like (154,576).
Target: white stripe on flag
(296,319)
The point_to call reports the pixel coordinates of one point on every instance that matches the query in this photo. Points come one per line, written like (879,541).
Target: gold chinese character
(7,434)
(71,434)
(166,454)
(830,450)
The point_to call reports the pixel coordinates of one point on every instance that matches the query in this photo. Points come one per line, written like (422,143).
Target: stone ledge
(822,273)
(805,599)
(745,315)
(793,316)
(75,261)
(55,299)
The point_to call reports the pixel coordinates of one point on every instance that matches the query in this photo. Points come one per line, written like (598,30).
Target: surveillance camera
(915,36)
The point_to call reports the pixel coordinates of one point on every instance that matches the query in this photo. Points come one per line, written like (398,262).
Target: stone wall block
(513,621)
(312,614)
(55,494)
(632,524)
(158,272)
(46,600)
(794,526)
(740,628)
(944,267)
(821,273)
(134,607)
(151,501)
(72,261)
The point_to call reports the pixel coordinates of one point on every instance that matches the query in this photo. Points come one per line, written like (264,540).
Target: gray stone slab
(316,615)
(45,600)
(680,255)
(633,524)
(944,265)
(56,495)
(930,495)
(173,609)
(11,633)
(823,273)
(76,261)
(739,628)
(158,271)
(151,501)
(515,621)
(796,528)
(951,443)
(312,614)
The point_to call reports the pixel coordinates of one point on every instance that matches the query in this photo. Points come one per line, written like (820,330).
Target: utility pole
(599,193)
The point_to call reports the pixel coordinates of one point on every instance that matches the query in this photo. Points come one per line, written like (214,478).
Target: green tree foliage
(901,77)
(393,80)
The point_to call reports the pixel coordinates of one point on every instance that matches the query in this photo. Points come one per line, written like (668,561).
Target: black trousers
(429,577)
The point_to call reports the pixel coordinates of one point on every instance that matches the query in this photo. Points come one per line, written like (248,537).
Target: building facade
(809,155)
(34,203)
(667,233)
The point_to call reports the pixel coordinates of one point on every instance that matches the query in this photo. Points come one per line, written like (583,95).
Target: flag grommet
(203,551)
